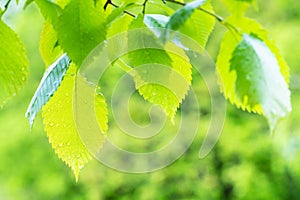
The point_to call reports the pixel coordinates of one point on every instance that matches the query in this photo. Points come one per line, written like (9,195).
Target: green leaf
(156,21)
(178,19)
(13,63)
(60,124)
(259,82)
(238,7)
(49,48)
(27,3)
(50,82)
(199,25)
(181,15)
(163,85)
(161,78)
(81,28)
(227,78)
(49,10)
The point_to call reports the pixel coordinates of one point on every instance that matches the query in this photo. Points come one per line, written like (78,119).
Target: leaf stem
(144,7)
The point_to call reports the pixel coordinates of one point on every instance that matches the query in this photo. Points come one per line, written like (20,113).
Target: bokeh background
(247,162)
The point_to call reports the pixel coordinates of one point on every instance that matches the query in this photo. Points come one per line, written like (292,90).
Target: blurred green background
(247,162)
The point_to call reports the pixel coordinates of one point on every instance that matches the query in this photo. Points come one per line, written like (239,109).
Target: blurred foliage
(247,162)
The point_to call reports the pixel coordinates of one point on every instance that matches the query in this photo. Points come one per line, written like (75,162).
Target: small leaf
(81,28)
(60,124)
(13,63)
(49,49)
(50,82)
(259,84)
(50,10)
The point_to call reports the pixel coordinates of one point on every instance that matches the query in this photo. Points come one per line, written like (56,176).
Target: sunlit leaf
(60,124)
(13,63)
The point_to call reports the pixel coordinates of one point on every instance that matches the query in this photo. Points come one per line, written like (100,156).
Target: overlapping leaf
(50,82)
(60,124)
(13,63)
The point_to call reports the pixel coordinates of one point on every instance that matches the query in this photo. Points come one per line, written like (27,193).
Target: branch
(116,6)
(144,7)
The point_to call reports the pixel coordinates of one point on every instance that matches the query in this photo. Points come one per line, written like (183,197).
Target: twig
(144,7)
(116,6)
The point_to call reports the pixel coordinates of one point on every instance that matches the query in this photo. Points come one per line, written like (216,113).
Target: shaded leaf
(49,49)
(50,82)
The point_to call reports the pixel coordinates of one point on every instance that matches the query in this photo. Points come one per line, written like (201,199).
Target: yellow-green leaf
(49,48)
(13,63)
(60,123)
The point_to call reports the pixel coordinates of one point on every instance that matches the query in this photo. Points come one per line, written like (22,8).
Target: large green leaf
(259,83)
(156,72)
(13,63)
(60,124)
(226,77)
(81,28)
(50,82)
